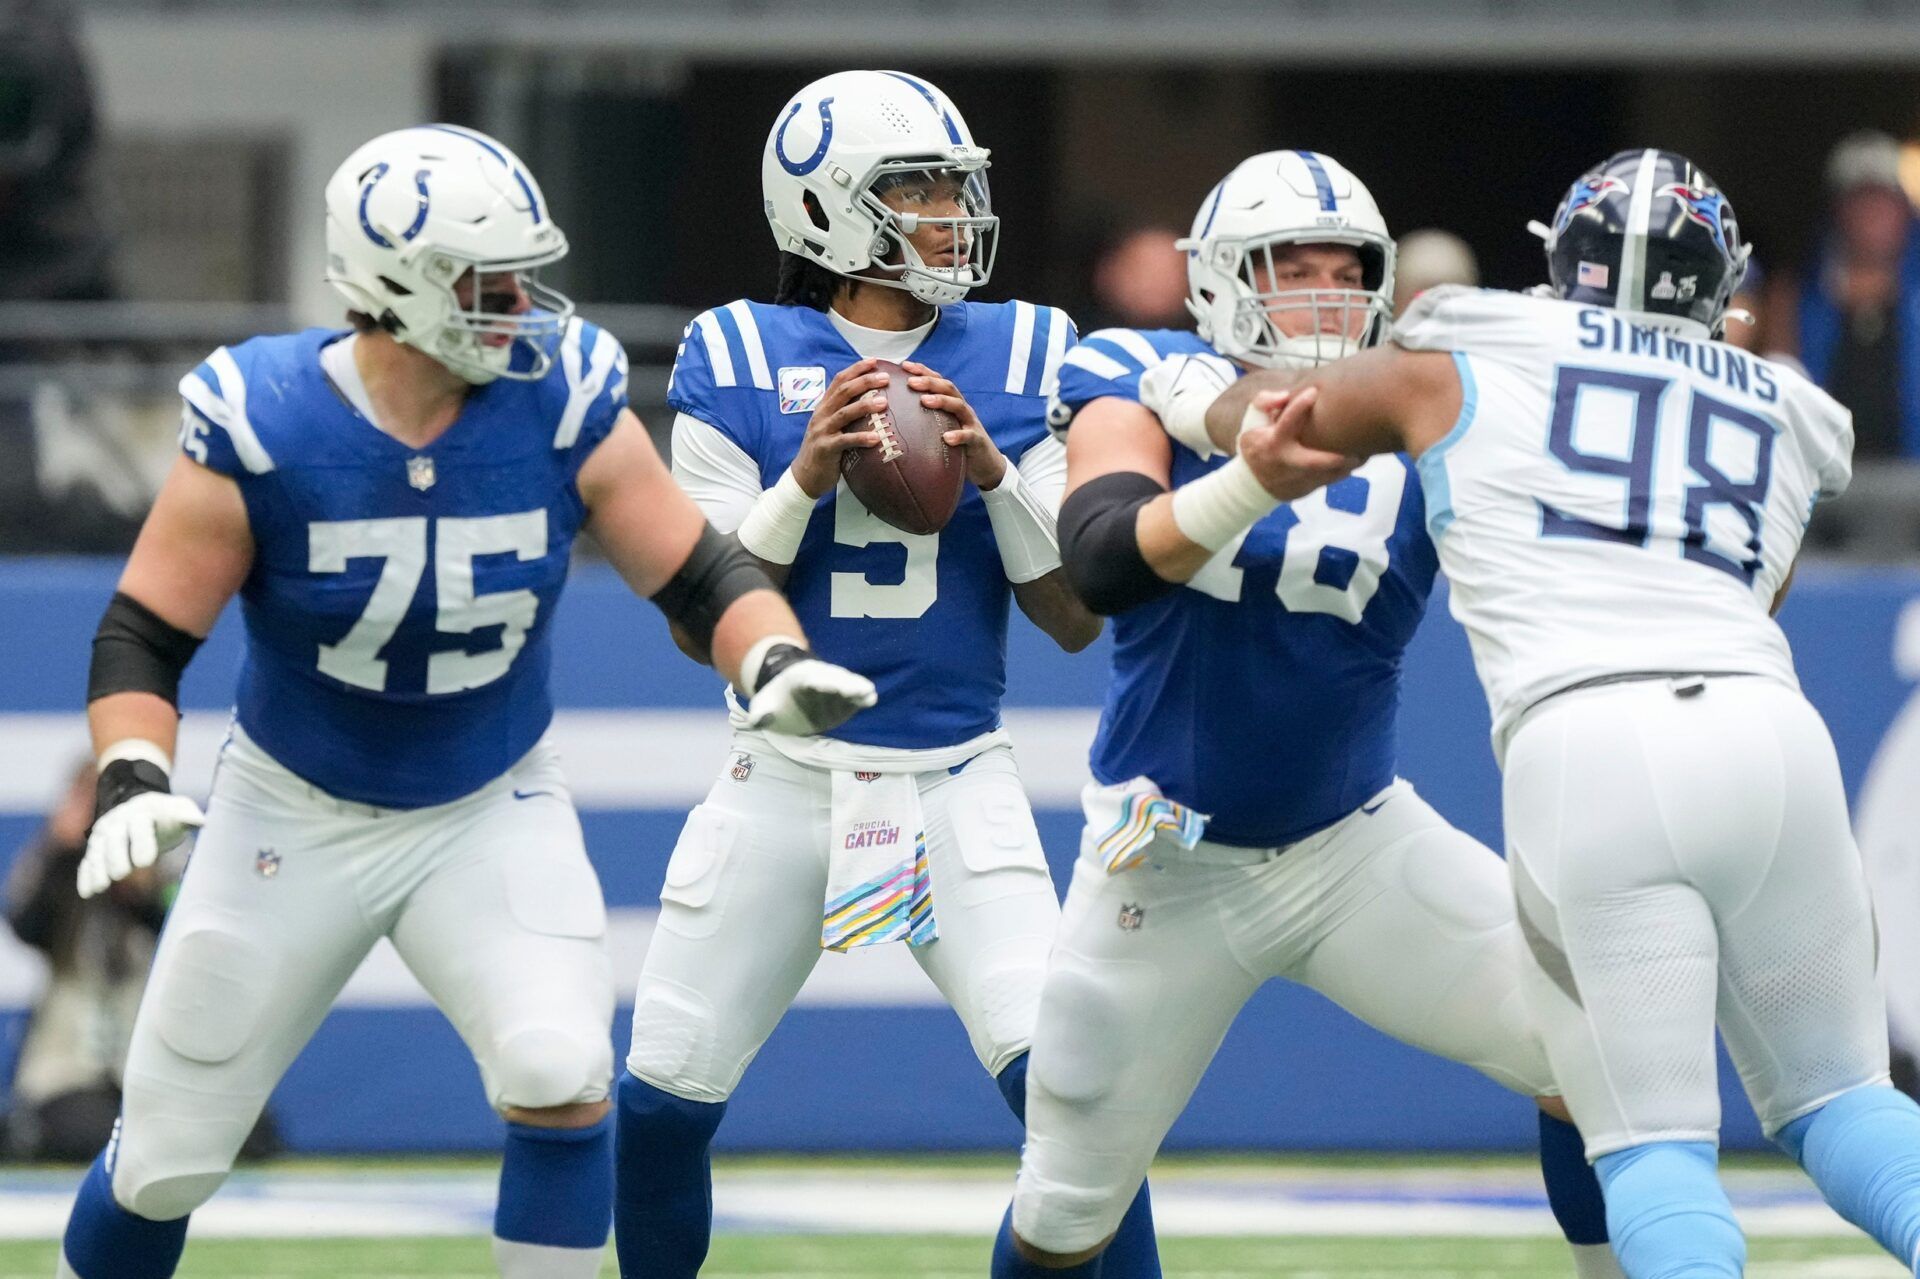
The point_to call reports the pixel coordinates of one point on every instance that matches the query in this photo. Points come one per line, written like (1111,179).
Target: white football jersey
(1619,494)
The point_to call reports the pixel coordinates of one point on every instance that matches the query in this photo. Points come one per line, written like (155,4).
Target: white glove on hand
(142,820)
(795,692)
(1180,389)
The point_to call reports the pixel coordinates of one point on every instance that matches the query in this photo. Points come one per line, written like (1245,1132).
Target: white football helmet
(1269,201)
(843,140)
(413,211)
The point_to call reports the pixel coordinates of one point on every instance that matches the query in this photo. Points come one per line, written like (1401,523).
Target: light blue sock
(1133,1252)
(105,1241)
(663,1203)
(1009,1264)
(1863,1150)
(1667,1214)
(556,1200)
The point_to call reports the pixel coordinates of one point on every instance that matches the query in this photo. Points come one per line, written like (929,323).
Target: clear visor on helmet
(940,219)
(1302,305)
(504,322)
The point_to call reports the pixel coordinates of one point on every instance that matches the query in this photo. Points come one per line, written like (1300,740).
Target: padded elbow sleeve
(717,572)
(1100,548)
(138,651)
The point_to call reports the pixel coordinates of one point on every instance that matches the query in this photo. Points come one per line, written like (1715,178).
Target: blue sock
(1009,1264)
(1863,1150)
(105,1241)
(1667,1213)
(1134,1252)
(663,1202)
(1573,1188)
(556,1186)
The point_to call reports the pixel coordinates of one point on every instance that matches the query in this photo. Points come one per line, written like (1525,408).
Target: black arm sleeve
(138,651)
(1099,547)
(718,571)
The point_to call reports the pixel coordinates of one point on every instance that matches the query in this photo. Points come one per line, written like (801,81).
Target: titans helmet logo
(1586,193)
(1700,204)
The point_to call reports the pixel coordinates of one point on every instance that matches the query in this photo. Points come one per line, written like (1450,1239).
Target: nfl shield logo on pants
(420,472)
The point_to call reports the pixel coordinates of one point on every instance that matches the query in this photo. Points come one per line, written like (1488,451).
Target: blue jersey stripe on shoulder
(1043,322)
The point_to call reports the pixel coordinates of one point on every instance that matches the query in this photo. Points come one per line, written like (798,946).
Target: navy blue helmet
(1648,231)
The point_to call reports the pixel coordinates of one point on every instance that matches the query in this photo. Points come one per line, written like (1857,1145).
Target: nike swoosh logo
(1376,808)
(529,794)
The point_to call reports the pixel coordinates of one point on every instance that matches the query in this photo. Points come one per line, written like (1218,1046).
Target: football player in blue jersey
(908,822)
(1245,821)
(395,506)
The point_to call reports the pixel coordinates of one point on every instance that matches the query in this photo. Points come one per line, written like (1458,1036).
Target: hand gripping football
(912,478)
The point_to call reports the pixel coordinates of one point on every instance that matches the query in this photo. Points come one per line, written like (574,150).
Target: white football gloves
(796,692)
(1180,389)
(139,819)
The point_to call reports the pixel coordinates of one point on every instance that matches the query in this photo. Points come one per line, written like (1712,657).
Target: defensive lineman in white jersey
(1618,499)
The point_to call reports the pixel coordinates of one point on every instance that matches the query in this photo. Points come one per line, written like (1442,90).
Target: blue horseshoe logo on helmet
(801,168)
(374,175)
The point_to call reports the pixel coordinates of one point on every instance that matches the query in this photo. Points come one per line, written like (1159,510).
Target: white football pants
(1887,822)
(489,899)
(740,916)
(1390,912)
(1680,857)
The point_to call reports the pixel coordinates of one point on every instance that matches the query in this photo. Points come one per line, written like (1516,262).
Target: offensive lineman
(1245,821)
(878,200)
(395,506)
(1618,498)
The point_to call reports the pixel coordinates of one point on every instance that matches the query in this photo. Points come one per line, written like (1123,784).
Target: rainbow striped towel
(878,886)
(1131,817)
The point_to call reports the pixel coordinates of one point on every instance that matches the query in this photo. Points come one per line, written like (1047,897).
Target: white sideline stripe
(880,1200)
(614,759)
(1023,314)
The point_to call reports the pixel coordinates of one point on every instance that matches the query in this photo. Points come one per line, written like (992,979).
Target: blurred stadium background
(160,170)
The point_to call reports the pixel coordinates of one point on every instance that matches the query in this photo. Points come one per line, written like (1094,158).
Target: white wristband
(138,748)
(1216,508)
(1023,528)
(778,520)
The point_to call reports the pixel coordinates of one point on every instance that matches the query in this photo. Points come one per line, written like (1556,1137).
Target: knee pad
(1075,1060)
(211,993)
(675,1031)
(163,1198)
(1065,1219)
(1004,994)
(536,1067)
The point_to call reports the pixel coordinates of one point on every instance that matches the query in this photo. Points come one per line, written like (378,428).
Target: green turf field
(858,1256)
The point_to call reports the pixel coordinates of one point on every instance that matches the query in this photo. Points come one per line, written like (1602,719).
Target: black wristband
(1100,548)
(778,658)
(121,780)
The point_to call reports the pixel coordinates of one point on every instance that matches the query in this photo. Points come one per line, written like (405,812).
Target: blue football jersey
(1264,692)
(924,616)
(397,613)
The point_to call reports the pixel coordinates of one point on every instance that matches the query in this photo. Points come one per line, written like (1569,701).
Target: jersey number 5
(401,546)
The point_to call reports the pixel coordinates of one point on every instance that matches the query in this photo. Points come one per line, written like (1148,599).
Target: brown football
(912,478)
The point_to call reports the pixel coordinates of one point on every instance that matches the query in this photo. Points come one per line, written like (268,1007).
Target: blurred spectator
(53,248)
(52,244)
(1139,281)
(1427,258)
(1860,312)
(66,1085)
